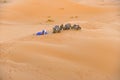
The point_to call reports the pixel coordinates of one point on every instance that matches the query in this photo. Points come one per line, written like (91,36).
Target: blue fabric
(43,32)
(39,33)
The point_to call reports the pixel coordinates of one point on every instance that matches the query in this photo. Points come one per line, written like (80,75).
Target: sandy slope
(57,10)
(90,54)
(100,3)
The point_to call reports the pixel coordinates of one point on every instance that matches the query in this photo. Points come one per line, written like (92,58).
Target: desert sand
(89,54)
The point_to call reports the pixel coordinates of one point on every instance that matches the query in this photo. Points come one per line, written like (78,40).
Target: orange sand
(90,54)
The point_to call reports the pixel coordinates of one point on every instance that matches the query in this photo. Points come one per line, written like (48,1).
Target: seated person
(43,32)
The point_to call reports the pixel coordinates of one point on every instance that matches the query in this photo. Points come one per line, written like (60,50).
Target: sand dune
(100,3)
(58,10)
(90,54)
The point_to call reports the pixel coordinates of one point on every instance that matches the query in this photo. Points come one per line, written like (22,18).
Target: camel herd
(59,28)
(68,26)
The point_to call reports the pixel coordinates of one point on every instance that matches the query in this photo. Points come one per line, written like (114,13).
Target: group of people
(58,29)
(67,26)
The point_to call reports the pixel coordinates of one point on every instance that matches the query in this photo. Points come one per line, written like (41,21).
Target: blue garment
(43,32)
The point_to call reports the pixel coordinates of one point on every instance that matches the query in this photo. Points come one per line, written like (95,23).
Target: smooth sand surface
(89,54)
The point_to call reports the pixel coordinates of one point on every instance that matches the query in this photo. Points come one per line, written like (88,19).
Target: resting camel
(56,29)
(67,26)
(76,27)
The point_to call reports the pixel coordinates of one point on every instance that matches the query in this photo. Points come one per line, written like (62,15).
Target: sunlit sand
(91,53)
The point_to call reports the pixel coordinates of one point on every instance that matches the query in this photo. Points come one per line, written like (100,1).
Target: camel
(56,29)
(67,26)
(76,27)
